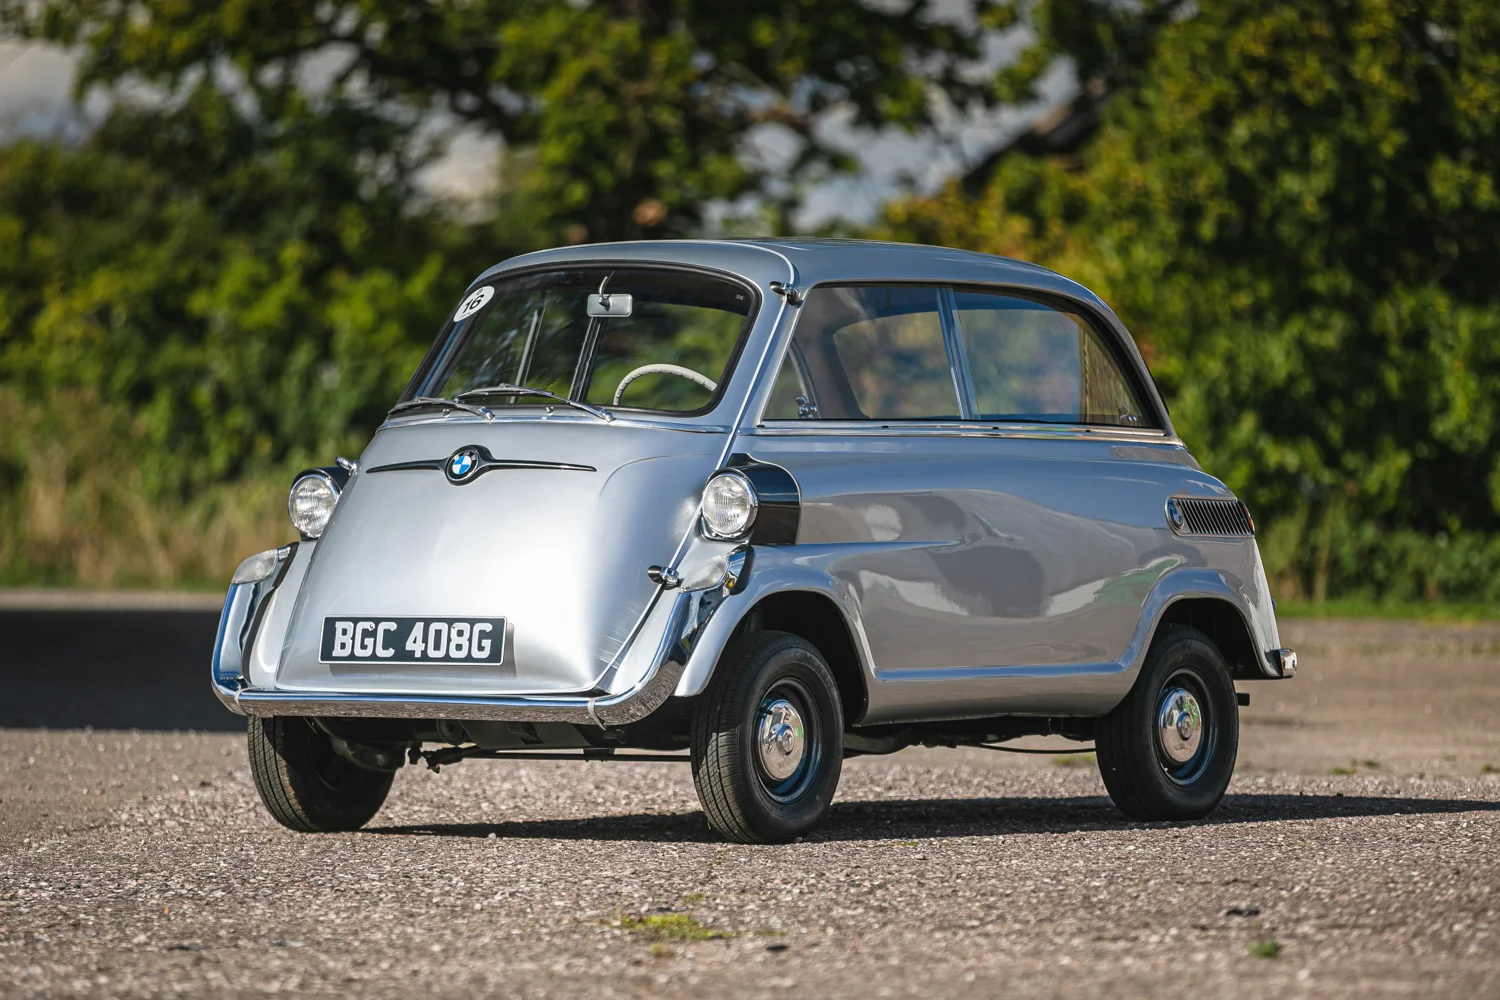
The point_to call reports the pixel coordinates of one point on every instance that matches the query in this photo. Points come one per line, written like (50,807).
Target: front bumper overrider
(686,618)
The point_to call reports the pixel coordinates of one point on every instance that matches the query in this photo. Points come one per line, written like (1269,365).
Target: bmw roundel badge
(462,466)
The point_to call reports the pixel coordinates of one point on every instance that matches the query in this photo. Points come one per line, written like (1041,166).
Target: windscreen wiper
(452,404)
(510,389)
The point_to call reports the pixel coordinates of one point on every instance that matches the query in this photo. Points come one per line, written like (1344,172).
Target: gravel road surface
(1356,855)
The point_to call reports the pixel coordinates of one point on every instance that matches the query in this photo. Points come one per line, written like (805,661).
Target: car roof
(818,260)
(840,244)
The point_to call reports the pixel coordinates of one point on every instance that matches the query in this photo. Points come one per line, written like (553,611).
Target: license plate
(413,640)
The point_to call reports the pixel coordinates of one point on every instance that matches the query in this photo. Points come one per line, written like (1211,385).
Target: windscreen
(635,338)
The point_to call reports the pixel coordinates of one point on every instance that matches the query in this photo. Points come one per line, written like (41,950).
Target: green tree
(248,288)
(636,114)
(235,272)
(192,297)
(1295,206)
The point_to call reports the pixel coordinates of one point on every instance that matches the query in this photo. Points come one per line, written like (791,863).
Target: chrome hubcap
(780,737)
(1179,728)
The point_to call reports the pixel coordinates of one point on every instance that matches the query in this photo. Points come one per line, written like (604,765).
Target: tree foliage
(1295,206)
(234,273)
(637,113)
(247,288)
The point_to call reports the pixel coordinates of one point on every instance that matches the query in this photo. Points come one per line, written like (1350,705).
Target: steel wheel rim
(787,744)
(1184,728)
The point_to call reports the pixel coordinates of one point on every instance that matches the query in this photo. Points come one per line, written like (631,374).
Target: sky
(36,99)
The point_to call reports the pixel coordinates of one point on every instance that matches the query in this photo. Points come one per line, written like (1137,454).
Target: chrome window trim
(1118,341)
(1053,432)
(527,414)
(958,355)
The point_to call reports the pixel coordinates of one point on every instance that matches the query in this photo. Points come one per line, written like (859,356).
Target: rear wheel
(768,740)
(305,785)
(1167,751)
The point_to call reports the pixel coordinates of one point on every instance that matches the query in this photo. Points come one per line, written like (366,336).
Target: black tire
(743,800)
(304,784)
(1136,742)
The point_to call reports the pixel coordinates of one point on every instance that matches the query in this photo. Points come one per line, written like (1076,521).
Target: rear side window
(1030,362)
(867,352)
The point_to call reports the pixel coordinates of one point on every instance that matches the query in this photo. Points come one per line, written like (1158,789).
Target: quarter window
(1031,362)
(867,352)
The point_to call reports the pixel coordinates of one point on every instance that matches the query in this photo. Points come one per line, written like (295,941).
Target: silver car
(758,506)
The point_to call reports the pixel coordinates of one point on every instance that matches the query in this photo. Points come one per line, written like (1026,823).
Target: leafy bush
(1295,207)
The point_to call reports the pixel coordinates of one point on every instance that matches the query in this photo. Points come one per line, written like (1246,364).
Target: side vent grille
(1196,516)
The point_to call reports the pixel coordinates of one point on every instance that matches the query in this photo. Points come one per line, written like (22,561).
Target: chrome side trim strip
(437,464)
(829,428)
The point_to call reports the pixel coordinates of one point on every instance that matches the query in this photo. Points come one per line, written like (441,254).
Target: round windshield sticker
(475,302)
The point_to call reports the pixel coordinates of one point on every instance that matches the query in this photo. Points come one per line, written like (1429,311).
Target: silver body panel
(980,569)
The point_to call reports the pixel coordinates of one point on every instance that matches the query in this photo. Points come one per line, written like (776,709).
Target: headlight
(729,504)
(256,568)
(311,503)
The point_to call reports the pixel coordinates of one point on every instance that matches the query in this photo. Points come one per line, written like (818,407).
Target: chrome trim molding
(1213,516)
(873,428)
(487,462)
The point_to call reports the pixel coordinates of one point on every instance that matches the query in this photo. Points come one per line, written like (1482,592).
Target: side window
(868,352)
(1031,362)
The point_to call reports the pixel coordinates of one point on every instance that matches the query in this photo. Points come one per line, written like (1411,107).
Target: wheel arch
(790,589)
(815,617)
(1224,623)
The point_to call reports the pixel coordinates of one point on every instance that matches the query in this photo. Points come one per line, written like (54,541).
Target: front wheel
(305,785)
(1167,751)
(768,740)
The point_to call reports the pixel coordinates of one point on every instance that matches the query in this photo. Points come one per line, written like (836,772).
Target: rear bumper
(686,618)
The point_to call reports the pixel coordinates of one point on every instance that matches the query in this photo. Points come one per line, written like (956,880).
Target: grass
(78,509)
(1432,611)
(1073,760)
(1355,765)
(1265,949)
(663,927)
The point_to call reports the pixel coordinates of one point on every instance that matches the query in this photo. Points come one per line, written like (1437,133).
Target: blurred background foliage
(1293,205)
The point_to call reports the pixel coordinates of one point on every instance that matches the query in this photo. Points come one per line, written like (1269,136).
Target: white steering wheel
(677,370)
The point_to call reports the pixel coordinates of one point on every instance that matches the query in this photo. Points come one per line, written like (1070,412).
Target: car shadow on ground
(928,819)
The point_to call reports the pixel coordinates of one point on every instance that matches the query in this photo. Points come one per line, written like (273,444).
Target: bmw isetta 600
(762,506)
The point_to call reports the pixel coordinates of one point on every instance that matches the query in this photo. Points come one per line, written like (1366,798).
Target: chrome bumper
(691,613)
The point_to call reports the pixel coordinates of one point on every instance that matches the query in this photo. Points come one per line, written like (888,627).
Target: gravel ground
(141,863)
